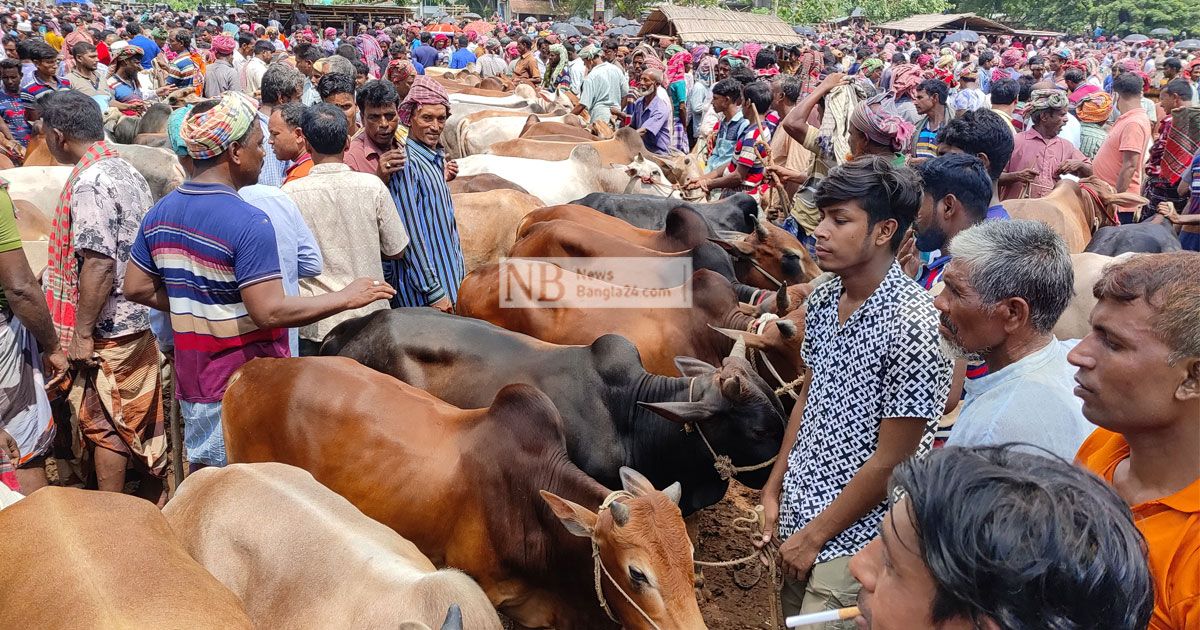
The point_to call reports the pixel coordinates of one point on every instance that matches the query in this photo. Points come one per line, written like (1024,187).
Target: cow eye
(637,577)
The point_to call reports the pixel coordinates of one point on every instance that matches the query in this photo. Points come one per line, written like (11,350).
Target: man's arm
(270,308)
(95,285)
(796,122)
(1129,165)
(770,493)
(421,270)
(145,289)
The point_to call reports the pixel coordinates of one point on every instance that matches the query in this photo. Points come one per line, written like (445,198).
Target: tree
(1081,16)
(810,11)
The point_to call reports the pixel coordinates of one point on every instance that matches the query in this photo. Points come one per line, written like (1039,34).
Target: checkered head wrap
(209,134)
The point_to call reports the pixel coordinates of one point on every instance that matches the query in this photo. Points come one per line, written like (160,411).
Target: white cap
(25,27)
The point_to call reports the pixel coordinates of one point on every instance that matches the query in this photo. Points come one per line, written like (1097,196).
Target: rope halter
(598,567)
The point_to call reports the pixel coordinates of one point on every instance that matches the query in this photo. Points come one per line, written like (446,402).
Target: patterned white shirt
(884,362)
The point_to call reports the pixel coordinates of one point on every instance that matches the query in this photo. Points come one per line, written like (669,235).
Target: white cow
(478,136)
(563,181)
(300,556)
(1073,323)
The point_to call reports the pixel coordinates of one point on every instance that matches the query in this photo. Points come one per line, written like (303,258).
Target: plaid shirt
(12,108)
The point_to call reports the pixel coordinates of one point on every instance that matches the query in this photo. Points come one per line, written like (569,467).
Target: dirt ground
(725,604)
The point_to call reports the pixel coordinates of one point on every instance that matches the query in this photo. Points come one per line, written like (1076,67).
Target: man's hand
(1070,167)
(82,350)
(451,170)
(391,161)
(364,291)
(908,257)
(833,80)
(54,365)
(787,175)
(444,305)
(9,444)
(798,554)
(1167,209)
(770,502)
(1026,176)
(699,183)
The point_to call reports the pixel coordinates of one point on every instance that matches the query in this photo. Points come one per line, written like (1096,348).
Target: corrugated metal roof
(945,22)
(698,25)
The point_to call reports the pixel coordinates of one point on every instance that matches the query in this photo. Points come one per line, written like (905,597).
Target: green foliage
(1082,16)
(812,11)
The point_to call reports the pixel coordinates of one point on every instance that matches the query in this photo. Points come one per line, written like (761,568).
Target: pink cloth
(1033,150)
(1131,132)
(362,155)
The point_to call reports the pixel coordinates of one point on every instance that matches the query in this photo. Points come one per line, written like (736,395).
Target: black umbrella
(1136,38)
(620,21)
(961,36)
(807,31)
(1161,31)
(565,30)
(1189,44)
(579,21)
(473,16)
(625,31)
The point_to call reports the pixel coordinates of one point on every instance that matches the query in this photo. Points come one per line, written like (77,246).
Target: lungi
(24,408)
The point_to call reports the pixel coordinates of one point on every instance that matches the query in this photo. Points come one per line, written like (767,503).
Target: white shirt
(255,69)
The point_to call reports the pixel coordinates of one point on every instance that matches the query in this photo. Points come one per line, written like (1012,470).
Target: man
(123,79)
(281,84)
(287,140)
(649,112)
(1004,100)
(526,71)
(352,215)
(256,67)
(604,87)
(425,54)
(987,60)
(575,69)
(177,269)
(306,55)
(84,77)
(44,80)
(220,77)
(987,136)
(1040,155)
(150,50)
(1006,286)
(337,89)
(1120,159)
(930,100)
(116,388)
(1171,153)
(242,56)
(744,173)
(188,67)
(462,57)
(1093,112)
(432,268)
(727,103)
(1037,68)
(1139,378)
(491,64)
(955,196)
(791,163)
(12,109)
(877,386)
(377,151)
(996,538)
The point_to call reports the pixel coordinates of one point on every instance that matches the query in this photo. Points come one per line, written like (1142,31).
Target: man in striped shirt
(210,259)
(432,268)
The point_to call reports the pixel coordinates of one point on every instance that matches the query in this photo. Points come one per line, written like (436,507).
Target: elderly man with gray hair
(1007,283)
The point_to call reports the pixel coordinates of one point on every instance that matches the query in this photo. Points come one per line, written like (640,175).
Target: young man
(137,38)
(44,80)
(84,77)
(604,87)
(1139,378)
(425,54)
(727,103)
(462,57)
(1004,100)
(878,385)
(220,77)
(1120,159)
(377,151)
(281,84)
(115,391)
(177,269)
(256,66)
(306,55)
(1066,556)
(526,70)
(1175,145)
(985,135)
(745,172)
(1006,285)
(955,195)
(337,89)
(930,101)
(287,140)
(188,67)
(12,109)
(122,79)
(433,267)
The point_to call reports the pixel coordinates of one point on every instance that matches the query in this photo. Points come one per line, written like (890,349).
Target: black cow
(614,412)
(650,212)
(1149,237)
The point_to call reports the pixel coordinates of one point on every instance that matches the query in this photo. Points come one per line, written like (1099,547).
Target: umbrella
(480,26)
(564,30)
(625,31)
(234,11)
(1136,38)
(1189,44)
(446,29)
(472,16)
(807,31)
(1161,31)
(620,21)
(961,36)
(530,20)
(579,21)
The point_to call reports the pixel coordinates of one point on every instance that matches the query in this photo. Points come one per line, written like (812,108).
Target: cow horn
(453,619)
(620,513)
(739,348)
(760,230)
(674,492)
(731,388)
(782,304)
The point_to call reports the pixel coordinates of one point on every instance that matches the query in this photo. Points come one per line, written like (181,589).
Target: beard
(931,239)
(648,91)
(950,346)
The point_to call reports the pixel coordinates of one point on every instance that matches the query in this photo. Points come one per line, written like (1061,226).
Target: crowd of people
(317,191)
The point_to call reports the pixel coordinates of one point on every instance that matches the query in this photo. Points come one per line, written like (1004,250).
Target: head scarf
(123,50)
(675,66)
(945,61)
(589,52)
(1010,58)
(330,32)
(174,127)
(698,53)
(924,60)
(905,79)
(398,70)
(424,91)
(553,75)
(880,125)
(968,100)
(223,45)
(650,60)
(1095,108)
(1047,99)
(209,134)
(1129,64)
(870,64)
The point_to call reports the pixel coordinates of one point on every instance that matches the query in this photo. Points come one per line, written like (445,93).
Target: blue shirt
(997,213)
(425,55)
(150,50)
(433,266)
(12,109)
(273,170)
(299,254)
(461,58)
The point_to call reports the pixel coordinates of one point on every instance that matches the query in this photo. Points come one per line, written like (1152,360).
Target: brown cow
(462,485)
(482,183)
(684,229)
(770,256)
(487,223)
(87,559)
(289,571)
(555,129)
(621,149)
(1075,210)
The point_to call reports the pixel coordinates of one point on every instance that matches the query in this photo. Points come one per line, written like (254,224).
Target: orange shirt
(1171,526)
(299,169)
(1131,132)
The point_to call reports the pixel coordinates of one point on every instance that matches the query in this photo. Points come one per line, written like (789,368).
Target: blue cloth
(728,134)
(150,50)
(432,266)
(299,254)
(202,434)
(12,110)
(417,66)
(985,81)
(425,55)
(931,274)
(655,118)
(997,213)
(461,58)
(184,65)
(273,170)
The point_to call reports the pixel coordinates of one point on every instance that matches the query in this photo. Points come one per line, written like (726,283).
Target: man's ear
(987,164)
(1189,389)
(887,229)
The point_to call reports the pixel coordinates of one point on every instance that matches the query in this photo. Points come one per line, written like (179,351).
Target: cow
(683,229)
(481,183)
(464,486)
(1154,236)
(660,334)
(160,167)
(568,239)
(290,571)
(614,412)
(87,559)
(1075,322)
(1075,209)
(621,149)
(487,223)
(542,129)
(557,182)
(476,137)
(650,211)
(770,256)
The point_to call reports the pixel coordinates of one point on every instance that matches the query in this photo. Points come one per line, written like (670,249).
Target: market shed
(945,22)
(705,26)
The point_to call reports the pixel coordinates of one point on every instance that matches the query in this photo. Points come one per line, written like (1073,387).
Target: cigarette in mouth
(840,614)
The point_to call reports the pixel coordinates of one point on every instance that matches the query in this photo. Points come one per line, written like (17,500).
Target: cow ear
(688,366)
(787,328)
(635,483)
(674,492)
(578,520)
(735,247)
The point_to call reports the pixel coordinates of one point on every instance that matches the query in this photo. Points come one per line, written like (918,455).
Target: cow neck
(650,388)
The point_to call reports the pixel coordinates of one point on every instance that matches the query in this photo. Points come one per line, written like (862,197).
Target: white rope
(723,464)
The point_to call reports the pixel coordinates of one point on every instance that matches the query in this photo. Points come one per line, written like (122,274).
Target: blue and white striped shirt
(432,267)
